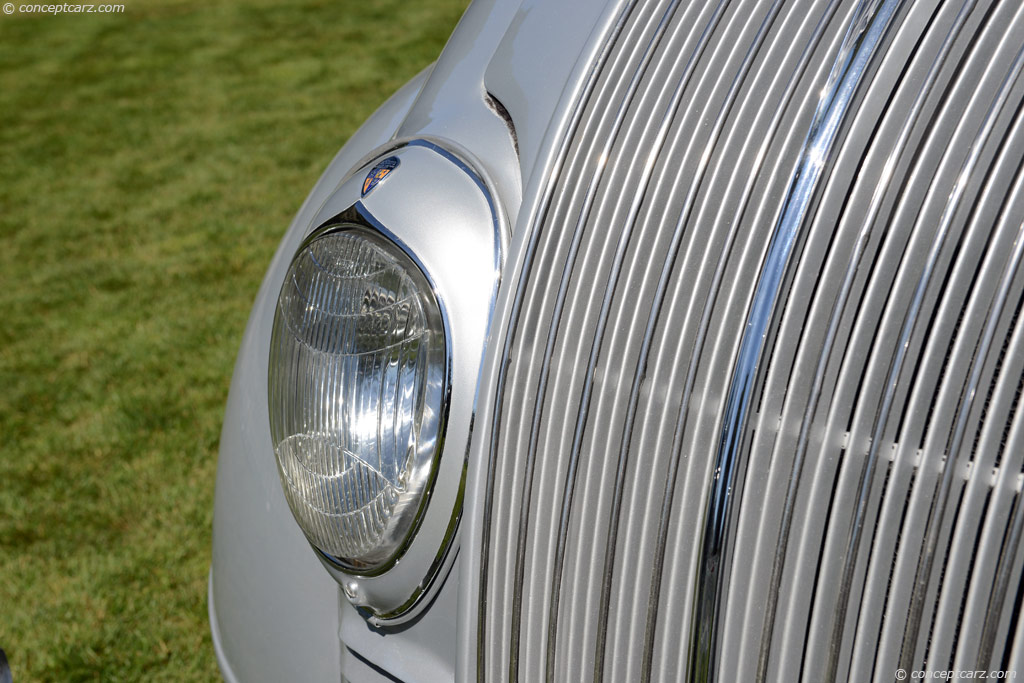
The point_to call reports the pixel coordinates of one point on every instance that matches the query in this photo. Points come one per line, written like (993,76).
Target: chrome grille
(700,467)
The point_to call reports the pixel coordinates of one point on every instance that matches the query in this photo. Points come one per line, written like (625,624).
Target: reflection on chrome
(872,20)
(868,225)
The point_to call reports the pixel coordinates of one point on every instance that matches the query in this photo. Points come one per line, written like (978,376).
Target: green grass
(149,163)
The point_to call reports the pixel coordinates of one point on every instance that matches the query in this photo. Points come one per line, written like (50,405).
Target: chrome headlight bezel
(439,210)
(418,474)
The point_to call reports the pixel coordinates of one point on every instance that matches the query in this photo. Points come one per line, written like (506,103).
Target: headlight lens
(358,384)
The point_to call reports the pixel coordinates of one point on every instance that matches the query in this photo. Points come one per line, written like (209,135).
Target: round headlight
(358,386)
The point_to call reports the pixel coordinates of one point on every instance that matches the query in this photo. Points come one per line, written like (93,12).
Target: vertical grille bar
(805,357)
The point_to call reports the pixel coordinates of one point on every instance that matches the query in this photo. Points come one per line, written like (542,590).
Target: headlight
(375,356)
(357,394)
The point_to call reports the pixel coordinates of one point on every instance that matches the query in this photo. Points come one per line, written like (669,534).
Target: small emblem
(379,173)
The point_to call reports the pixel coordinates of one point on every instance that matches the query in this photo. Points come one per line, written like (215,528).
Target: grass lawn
(149,163)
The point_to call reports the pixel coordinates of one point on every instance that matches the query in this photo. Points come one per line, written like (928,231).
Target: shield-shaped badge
(379,173)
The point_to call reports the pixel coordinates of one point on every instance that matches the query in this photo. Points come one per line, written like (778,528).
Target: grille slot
(875,518)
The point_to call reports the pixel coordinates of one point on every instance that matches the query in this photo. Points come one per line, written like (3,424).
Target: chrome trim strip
(1004,568)
(556,313)
(1004,576)
(871,23)
(899,146)
(590,196)
(517,302)
(1004,573)
(583,414)
(654,598)
(584,409)
(934,522)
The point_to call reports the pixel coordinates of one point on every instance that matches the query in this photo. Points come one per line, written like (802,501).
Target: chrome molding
(556,314)
(837,308)
(413,572)
(659,297)
(714,287)
(698,350)
(510,337)
(970,390)
(872,22)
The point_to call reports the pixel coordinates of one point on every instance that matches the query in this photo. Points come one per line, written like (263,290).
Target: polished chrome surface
(560,299)
(438,190)
(899,147)
(759,369)
(971,387)
(872,20)
(549,187)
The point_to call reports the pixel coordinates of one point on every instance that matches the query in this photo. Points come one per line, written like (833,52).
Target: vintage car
(644,341)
